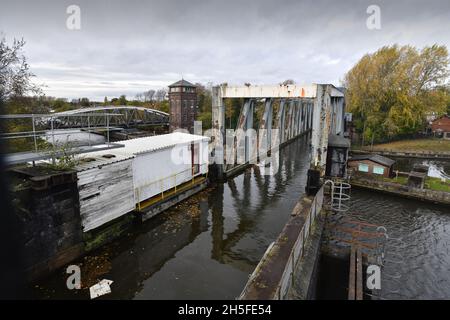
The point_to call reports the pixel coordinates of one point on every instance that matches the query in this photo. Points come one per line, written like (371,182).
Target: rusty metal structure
(315,108)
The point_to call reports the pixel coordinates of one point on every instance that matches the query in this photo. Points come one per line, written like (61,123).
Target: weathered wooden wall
(106,193)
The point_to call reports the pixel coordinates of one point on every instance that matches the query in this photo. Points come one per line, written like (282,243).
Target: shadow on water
(204,248)
(333,276)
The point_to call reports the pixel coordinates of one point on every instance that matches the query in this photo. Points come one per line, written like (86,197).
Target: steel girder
(120,116)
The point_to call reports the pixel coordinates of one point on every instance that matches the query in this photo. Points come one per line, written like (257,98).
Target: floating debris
(100,289)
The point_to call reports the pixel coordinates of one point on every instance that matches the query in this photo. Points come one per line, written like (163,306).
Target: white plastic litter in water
(100,289)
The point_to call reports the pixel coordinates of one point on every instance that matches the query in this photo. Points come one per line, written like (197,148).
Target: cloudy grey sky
(126,47)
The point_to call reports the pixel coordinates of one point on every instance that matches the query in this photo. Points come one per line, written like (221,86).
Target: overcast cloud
(126,47)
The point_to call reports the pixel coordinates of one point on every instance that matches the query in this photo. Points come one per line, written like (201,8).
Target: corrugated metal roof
(134,147)
(100,158)
(375,158)
(153,143)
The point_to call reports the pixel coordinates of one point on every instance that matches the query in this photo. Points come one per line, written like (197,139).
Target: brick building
(441,126)
(372,164)
(183,105)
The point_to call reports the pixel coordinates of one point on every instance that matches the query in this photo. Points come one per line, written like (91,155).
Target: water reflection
(75,137)
(418,263)
(209,255)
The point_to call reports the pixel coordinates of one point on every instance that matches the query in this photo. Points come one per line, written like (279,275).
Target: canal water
(205,248)
(417,264)
(74,137)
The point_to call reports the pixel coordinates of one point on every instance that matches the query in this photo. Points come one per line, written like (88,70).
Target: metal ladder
(340,195)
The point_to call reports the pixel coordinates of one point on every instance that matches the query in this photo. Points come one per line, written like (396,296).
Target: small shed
(372,164)
(114,182)
(163,162)
(416,179)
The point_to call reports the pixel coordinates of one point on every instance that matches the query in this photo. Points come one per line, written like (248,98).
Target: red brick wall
(442,124)
(181,115)
(354,164)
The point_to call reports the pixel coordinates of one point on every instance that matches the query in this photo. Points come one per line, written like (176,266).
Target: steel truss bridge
(118,116)
(315,108)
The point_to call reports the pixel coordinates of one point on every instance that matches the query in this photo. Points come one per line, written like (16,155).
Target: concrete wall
(275,273)
(439,197)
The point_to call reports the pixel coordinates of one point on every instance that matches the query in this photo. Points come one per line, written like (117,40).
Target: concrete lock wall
(275,273)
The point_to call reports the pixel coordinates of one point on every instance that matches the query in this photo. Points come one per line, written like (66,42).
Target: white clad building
(145,172)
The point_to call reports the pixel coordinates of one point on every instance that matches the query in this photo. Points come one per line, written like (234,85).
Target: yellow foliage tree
(391,91)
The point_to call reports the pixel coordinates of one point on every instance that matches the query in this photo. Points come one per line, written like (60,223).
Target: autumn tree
(204,101)
(391,91)
(160,95)
(149,95)
(122,100)
(15,74)
(287,82)
(17,90)
(84,102)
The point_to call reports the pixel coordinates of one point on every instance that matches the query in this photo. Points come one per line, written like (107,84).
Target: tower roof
(182,83)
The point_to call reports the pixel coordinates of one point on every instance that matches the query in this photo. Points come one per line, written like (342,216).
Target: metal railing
(43,127)
(49,118)
(165,183)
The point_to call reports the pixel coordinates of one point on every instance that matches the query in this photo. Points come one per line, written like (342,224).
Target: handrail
(138,190)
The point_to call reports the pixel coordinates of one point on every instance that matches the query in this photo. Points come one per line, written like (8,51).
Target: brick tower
(183,105)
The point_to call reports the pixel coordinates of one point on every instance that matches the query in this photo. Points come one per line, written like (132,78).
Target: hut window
(363,167)
(378,170)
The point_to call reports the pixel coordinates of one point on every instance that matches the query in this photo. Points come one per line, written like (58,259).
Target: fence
(42,132)
(406,153)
